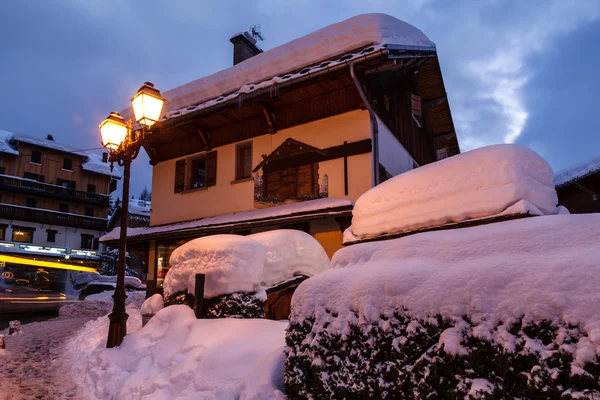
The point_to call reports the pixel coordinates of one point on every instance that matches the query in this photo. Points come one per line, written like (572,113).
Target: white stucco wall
(227,197)
(392,155)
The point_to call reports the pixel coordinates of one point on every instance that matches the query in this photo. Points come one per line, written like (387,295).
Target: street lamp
(123,144)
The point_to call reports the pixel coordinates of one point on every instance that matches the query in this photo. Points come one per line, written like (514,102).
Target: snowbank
(290,253)
(480,183)
(152,305)
(231,263)
(176,356)
(525,290)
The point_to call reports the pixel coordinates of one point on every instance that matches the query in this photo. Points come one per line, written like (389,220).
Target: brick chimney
(244,47)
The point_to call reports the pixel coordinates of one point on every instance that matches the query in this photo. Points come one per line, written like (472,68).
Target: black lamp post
(123,144)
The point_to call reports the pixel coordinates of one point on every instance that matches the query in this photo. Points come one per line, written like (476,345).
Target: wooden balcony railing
(41,216)
(19,185)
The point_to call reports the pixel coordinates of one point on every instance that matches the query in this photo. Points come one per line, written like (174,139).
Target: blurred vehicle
(99,286)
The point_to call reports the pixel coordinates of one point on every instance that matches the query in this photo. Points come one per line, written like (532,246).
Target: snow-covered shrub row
(236,305)
(477,184)
(412,358)
(234,263)
(522,293)
(176,356)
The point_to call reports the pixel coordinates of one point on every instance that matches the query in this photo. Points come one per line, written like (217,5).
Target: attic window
(36,157)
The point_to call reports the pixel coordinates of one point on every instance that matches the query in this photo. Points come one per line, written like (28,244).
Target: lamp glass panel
(147,109)
(113,134)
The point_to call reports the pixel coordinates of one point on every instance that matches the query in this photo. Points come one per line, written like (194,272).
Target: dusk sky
(515,71)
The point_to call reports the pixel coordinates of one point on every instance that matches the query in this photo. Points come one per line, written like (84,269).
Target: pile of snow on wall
(289,253)
(477,184)
(234,263)
(526,290)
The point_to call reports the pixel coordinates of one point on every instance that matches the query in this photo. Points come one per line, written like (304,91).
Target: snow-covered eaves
(310,209)
(577,172)
(5,146)
(92,161)
(340,43)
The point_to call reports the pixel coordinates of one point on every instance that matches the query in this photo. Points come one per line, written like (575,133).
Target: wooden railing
(19,185)
(40,216)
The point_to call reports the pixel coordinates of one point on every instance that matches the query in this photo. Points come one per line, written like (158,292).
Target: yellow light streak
(47,264)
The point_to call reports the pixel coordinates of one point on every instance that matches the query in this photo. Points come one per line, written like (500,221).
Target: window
(63,208)
(2,231)
(87,241)
(198,173)
(243,160)
(23,235)
(163,254)
(91,188)
(68,164)
(36,157)
(51,235)
(89,211)
(31,203)
(35,177)
(65,183)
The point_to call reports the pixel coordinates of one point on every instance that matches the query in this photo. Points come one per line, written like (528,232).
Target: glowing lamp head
(147,105)
(114,131)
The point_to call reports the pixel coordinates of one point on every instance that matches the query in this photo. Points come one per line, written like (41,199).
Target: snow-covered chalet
(292,136)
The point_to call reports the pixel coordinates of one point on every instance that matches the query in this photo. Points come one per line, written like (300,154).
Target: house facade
(578,187)
(53,198)
(291,137)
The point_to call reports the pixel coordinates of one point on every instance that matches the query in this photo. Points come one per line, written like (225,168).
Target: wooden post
(199,296)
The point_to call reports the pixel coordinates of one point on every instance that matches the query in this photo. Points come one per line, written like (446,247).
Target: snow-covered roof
(230,219)
(5,147)
(576,172)
(92,161)
(275,65)
(139,207)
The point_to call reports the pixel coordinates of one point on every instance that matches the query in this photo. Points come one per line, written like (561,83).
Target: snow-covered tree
(109,262)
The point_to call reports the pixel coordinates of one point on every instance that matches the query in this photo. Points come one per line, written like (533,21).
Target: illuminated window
(22,235)
(2,232)
(163,253)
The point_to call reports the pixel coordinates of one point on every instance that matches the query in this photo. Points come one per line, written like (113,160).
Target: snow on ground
(290,253)
(176,356)
(541,267)
(578,171)
(231,263)
(479,183)
(291,210)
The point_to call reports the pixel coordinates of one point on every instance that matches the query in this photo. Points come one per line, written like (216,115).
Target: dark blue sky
(515,71)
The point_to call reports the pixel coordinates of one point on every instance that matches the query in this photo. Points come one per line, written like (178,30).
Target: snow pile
(477,184)
(5,146)
(334,40)
(234,263)
(99,304)
(231,263)
(176,356)
(152,305)
(290,253)
(576,172)
(522,292)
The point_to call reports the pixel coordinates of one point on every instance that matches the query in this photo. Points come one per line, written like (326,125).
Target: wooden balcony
(19,185)
(41,216)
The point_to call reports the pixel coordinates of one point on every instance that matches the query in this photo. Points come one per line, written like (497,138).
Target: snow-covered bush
(480,183)
(289,253)
(109,261)
(231,263)
(236,305)
(504,310)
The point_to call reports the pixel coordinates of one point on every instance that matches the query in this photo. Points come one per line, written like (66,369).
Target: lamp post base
(118,323)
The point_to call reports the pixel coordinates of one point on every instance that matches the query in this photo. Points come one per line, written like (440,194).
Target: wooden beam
(435,102)
(444,137)
(205,136)
(269,116)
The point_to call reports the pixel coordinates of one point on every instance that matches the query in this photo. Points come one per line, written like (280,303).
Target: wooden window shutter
(179,176)
(211,168)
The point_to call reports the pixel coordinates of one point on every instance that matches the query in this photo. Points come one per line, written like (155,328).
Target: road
(25,318)
(31,366)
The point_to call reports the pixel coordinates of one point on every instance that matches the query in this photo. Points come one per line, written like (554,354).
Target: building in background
(291,137)
(578,187)
(53,198)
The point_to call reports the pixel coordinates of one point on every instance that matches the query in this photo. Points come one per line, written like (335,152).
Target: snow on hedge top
(545,267)
(475,184)
(231,263)
(290,253)
(577,171)
(325,43)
